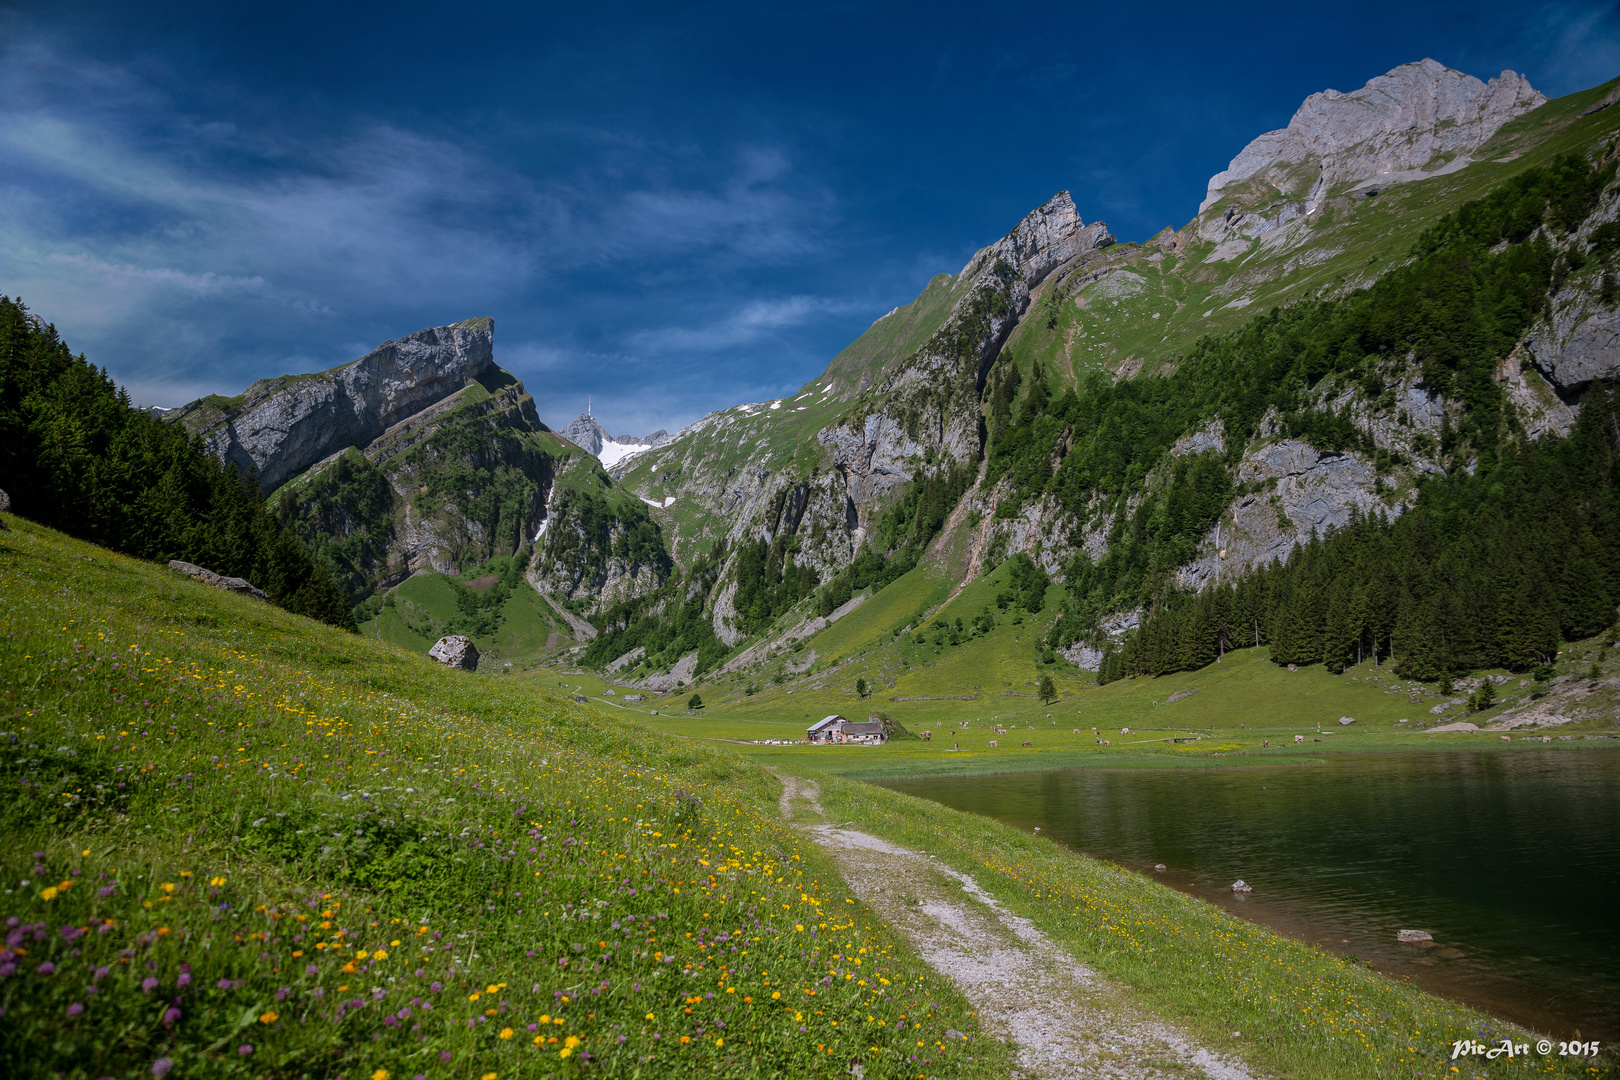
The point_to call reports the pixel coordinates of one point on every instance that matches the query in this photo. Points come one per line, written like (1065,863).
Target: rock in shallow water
(1242,886)
(1415,937)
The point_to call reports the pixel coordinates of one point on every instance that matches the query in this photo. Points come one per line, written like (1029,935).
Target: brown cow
(1027,743)
(1299,738)
(991,743)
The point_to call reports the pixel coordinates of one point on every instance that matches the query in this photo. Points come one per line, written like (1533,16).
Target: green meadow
(242,843)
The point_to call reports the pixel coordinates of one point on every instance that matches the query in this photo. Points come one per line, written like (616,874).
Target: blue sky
(673,208)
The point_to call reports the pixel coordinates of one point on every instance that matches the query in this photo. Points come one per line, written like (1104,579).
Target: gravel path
(1063,1019)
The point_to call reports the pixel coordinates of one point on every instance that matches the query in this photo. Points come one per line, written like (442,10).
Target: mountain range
(1064,404)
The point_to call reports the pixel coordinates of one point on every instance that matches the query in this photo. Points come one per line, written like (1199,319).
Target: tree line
(78,457)
(1492,569)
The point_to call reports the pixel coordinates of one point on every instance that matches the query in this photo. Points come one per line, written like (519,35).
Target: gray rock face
(455,651)
(1580,342)
(583,431)
(1390,130)
(282,426)
(218,581)
(1049,236)
(1309,490)
(5,502)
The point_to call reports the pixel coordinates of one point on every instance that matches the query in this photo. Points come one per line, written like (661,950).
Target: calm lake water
(1510,858)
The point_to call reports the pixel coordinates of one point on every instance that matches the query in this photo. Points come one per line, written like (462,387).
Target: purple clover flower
(148,985)
(184,979)
(75,1009)
(170,1017)
(161,1067)
(47,968)
(245,1049)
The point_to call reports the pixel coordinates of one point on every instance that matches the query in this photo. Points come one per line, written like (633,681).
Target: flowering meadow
(239,843)
(1286,1007)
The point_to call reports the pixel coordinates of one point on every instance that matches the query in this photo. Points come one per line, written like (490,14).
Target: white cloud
(197,284)
(747,324)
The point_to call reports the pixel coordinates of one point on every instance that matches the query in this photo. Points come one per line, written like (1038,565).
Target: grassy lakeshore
(245,844)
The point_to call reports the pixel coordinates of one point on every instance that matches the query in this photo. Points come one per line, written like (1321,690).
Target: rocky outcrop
(456,651)
(1580,343)
(1578,340)
(583,431)
(280,427)
(218,581)
(1301,490)
(1393,129)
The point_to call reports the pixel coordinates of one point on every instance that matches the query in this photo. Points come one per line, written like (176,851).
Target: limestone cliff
(1402,125)
(282,426)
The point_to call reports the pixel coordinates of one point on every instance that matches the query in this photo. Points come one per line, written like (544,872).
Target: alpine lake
(1510,861)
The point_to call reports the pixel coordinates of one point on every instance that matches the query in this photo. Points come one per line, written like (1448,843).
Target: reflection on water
(1510,858)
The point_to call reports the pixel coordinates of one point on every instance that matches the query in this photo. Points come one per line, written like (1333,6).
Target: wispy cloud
(746,325)
(1570,46)
(163,276)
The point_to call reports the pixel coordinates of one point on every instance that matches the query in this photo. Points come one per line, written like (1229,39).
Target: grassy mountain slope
(329,856)
(249,844)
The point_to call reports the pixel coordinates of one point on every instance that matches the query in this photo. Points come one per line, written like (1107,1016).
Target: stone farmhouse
(839,729)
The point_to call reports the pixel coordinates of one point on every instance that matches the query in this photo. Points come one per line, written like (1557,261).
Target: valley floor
(326,856)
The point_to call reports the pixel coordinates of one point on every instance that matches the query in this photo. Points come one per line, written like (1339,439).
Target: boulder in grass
(1347,720)
(218,581)
(1415,937)
(456,651)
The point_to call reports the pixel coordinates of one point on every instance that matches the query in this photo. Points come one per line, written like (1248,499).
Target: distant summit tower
(587,405)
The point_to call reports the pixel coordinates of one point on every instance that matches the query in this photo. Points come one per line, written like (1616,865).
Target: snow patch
(615,452)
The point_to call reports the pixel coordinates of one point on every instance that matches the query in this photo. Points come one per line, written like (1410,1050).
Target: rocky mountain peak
(1393,129)
(583,431)
(1049,236)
